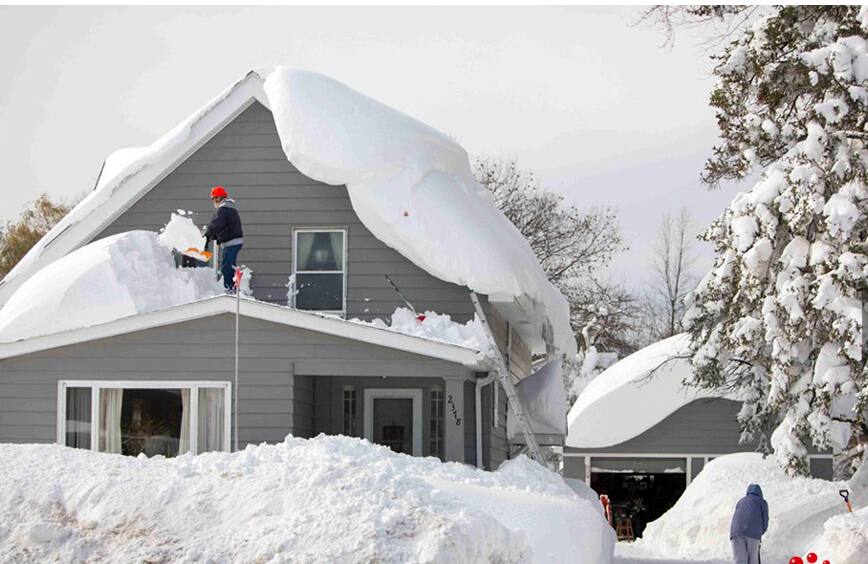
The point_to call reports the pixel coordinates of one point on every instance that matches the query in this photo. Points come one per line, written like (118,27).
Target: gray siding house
(639,437)
(167,375)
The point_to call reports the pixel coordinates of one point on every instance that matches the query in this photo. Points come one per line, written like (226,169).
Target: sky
(587,101)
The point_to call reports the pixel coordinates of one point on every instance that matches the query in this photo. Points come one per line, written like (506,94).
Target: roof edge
(253,309)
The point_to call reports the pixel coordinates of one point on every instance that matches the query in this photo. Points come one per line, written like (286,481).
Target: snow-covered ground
(806,515)
(328,499)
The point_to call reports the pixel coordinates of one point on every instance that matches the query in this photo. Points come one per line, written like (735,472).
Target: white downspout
(479,385)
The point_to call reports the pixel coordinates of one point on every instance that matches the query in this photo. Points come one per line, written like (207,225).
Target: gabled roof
(389,162)
(281,315)
(125,179)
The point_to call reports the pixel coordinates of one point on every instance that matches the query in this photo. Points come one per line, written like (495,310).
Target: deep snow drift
(329,499)
(411,186)
(115,277)
(805,515)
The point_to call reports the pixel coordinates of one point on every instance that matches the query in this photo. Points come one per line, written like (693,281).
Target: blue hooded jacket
(751,517)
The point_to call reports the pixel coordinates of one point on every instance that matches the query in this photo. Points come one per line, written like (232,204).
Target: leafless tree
(671,275)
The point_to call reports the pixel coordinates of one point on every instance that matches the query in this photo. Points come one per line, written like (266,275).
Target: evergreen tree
(780,316)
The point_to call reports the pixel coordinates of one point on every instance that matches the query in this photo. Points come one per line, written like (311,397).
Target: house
(335,191)
(639,436)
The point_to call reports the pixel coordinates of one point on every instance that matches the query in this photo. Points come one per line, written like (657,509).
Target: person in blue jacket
(225,228)
(749,524)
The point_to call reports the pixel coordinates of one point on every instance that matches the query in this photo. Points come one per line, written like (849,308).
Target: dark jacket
(751,517)
(225,226)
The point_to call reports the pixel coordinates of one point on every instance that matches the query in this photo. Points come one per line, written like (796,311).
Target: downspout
(479,385)
(478,399)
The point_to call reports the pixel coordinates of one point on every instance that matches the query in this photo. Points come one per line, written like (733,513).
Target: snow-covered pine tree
(779,316)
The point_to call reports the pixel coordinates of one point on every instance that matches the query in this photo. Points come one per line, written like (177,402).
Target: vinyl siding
(273,198)
(272,357)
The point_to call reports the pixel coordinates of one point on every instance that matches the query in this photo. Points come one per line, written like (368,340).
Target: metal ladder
(502,375)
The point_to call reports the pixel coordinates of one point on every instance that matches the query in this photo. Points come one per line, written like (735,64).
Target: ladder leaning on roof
(502,374)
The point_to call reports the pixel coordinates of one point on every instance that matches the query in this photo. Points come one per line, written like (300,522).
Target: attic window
(319,265)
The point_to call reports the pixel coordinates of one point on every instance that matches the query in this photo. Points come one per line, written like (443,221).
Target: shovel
(846,495)
(204,256)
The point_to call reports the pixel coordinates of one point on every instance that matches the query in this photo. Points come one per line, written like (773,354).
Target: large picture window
(319,266)
(151,418)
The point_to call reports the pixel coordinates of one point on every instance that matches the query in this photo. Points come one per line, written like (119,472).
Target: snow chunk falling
(115,277)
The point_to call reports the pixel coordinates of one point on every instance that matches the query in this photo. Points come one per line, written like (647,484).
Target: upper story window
(320,269)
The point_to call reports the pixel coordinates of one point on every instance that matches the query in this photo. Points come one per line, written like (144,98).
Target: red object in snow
(238,275)
(420,318)
(796,560)
(812,557)
(604,499)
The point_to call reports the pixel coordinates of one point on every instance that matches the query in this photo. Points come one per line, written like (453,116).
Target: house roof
(281,315)
(634,394)
(394,168)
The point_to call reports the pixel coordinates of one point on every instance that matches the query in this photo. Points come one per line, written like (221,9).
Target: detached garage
(639,436)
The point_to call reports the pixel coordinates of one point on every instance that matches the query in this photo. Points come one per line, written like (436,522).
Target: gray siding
(272,358)
(495,447)
(701,427)
(273,197)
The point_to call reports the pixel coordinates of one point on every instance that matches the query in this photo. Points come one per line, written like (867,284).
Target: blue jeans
(228,260)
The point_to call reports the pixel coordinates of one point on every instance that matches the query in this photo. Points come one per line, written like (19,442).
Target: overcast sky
(592,105)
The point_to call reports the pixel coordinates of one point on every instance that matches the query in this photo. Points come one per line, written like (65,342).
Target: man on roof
(225,228)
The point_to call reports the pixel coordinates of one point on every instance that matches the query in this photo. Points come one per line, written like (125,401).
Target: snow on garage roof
(647,385)
(411,186)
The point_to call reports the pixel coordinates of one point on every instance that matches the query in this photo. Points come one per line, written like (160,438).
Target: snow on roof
(410,185)
(327,499)
(544,401)
(633,395)
(115,277)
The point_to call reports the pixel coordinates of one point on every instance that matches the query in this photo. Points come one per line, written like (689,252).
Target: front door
(393,423)
(393,418)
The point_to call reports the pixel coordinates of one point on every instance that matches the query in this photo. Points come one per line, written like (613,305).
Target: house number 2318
(454,411)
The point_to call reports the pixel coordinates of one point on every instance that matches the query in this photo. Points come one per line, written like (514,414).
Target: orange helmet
(218,192)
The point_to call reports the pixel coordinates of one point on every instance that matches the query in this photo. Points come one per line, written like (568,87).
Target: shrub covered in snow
(328,499)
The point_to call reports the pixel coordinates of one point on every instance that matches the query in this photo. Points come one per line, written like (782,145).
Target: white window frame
(414,394)
(97,385)
(295,272)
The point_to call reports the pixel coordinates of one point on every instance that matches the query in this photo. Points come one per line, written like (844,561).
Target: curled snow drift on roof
(647,385)
(115,277)
(410,185)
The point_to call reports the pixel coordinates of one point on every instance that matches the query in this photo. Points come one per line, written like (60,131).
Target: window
(319,267)
(151,418)
(350,426)
(436,434)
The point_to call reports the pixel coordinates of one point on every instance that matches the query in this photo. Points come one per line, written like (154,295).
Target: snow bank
(697,527)
(435,327)
(657,371)
(410,185)
(115,277)
(329,499)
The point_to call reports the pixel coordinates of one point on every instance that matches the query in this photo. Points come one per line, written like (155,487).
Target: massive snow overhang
(397,171)
(633,395)
(544,400)
(281,315)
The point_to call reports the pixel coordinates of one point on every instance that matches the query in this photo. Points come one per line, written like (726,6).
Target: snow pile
(697,527)
(181,234)
(115,277)
(435,327)
(411,186)
(329,499)
(657,371)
